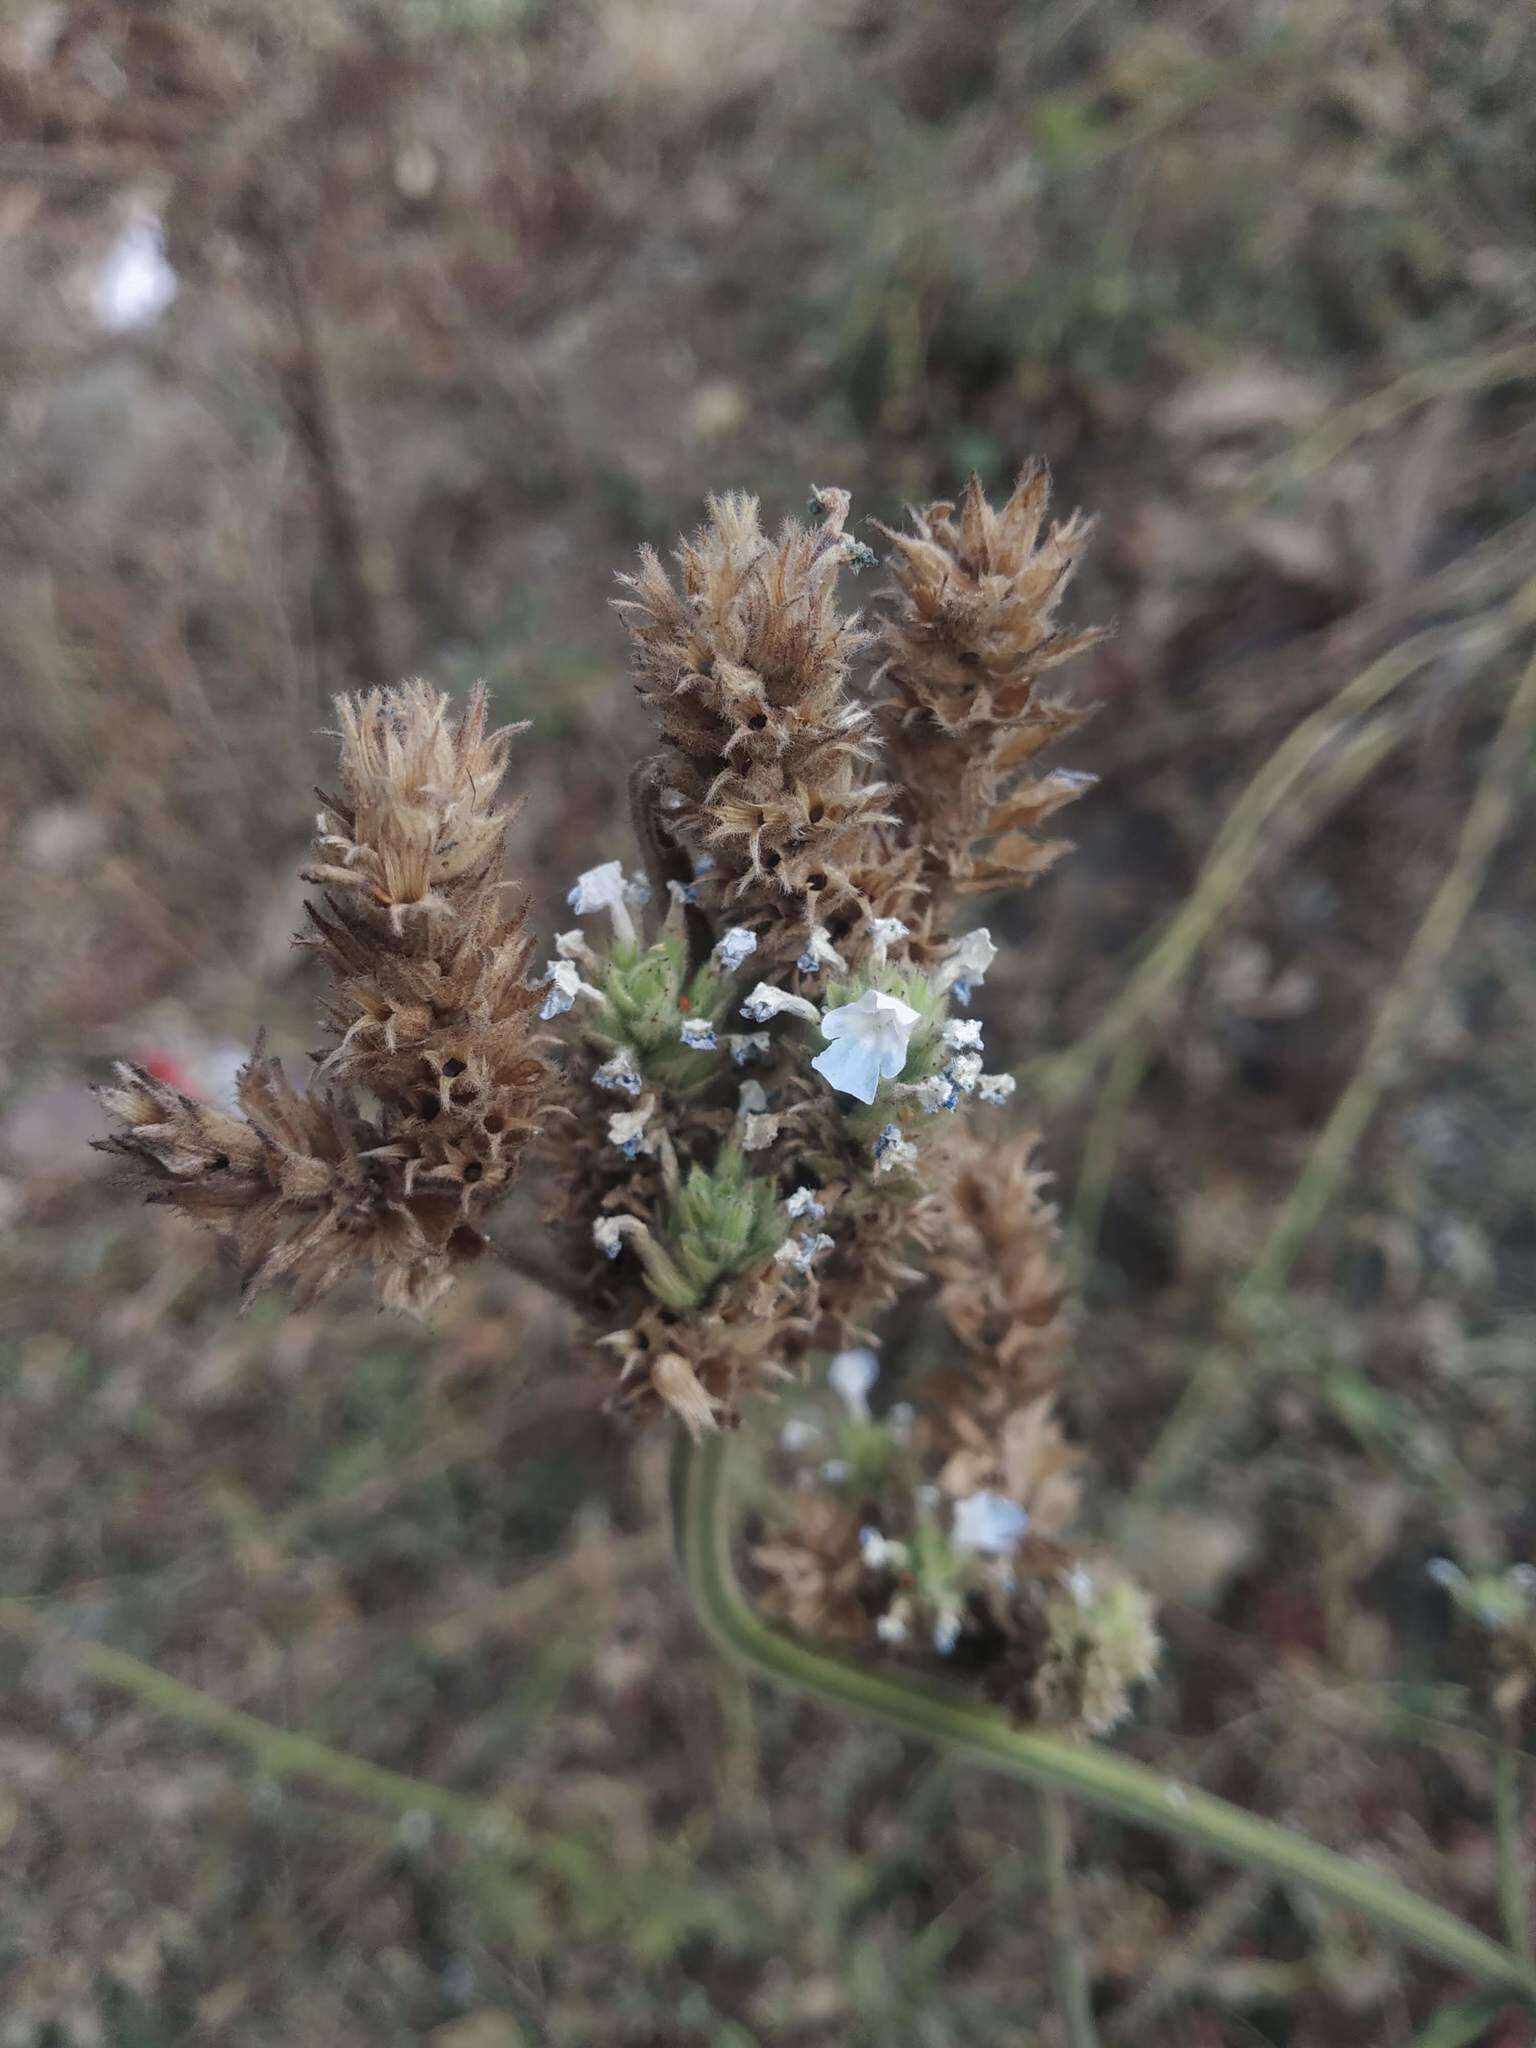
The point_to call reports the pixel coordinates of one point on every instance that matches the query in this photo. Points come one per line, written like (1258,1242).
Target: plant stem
(277,1751)
(1242,840)
(1069,1967)
(1217,1383)
(1114,1784)
(1507,1817)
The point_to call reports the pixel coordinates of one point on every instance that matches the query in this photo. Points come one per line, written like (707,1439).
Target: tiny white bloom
(965,966)
(698,1034)
(965,1071)
(835,1471)
(620,1074)
(932,1095)
(885,932)
(879,1553)
(683,893)
(946,1632)
(765,1002)
(565,985)
(892,1626)
(1080,1585)
(798,1434)
(1445,1573)
(751,1099)
(799,1254)
(869,1040)
(573,946)
(995,1088)
(850,1376)
(733,947)
(803,1202)
(820,953)
(135,283)
(609,1233)
(604,888)
(988,1522)
(893,1150)
(637,889)
(627,1129)
(963,1034)
(748,1045)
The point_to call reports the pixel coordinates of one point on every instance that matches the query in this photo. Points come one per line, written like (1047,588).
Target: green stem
(1506,1813)
(1112,1783)
(1069,1968)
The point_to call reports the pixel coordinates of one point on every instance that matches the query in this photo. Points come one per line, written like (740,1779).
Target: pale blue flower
(620,1074)
(963,1034)
(733,947)
(988,1522)
(746,1046)
(995,1087)
(892,1150)
(698,1034)
(803,1202)
(869,1040)
(604,888)
(965,966)
(765,1001)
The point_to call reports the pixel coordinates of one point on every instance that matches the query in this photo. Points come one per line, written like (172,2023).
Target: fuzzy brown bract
(771,772)
(433,1026)
(962,717)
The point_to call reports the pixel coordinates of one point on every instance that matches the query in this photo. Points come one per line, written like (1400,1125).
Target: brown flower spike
(431,1018)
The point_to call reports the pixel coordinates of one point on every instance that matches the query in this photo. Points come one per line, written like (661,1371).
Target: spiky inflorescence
(961,716)
(770,771)
(1001,1291)
(432,1020)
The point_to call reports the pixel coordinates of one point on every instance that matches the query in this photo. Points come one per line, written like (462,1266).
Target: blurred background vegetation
(473,296)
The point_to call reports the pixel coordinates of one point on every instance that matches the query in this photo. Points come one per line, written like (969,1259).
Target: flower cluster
(748,1065)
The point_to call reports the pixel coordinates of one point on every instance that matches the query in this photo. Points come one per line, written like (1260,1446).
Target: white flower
(892,1626)
(988,1522)
(850,1376)
(683,893)
(573,946)
(819,953)
(1080,1585)
(766,1001)
(869,1041)
(604,888)
(698,1034)
(965,1071)
(885,932)
(893,1150)
(965,967)
(627,1129)
(803,1202)
(799,1254)
(620,1074)
(751,1099)
(798,1434)
(748,1045)
(946,1632)
(995,1087)
(733,947)
(879,1553)
(963,1034)
(565,985)
(932,1095)
(609,1233)
(135,284)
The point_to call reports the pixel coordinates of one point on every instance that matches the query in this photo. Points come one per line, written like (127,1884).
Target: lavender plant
(749,1074)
